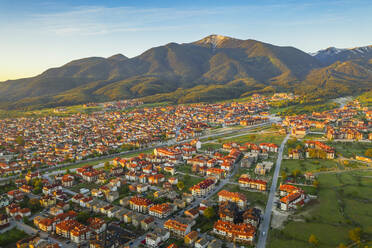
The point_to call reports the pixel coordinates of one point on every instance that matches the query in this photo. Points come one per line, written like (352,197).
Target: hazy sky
(36,35)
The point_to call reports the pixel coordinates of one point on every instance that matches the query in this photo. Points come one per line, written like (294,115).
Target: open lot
(350,149)
(9,238)
(270,137)
(308,165)
(344,203)
(211,146)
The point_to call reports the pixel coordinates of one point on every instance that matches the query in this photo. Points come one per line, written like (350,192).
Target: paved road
(264,228)
(11,226)
(321,133)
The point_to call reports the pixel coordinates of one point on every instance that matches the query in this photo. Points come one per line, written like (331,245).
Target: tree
(20,140)
(127,147)
(316,184)
(368,152)
(284,176)
(342,246)
(38,183)
(83,217)
(61,124)
(313,240)
(124,190)
(296,173)
(291,142)
(67,157)
(355,234)
(186,177)
(34,205)
(107,165)
(209,212)
(299,147)
(180,185)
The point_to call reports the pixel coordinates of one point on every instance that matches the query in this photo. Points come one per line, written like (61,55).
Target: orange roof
(249,180)
(215,170)
(288,188)
(291,197)
(173,224)
(136,200)
(160,208)
(240,230)
(233,196)
(203,184)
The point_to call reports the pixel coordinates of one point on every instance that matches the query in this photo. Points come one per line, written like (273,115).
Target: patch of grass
(298,233)
(310,190)
(308,165)
(350,149)
(313,136)
(211,146)
(185,168)
(205,224)
(189,181)
(344,203)
(273,137)
(9,238)
(6,188)
(85,185)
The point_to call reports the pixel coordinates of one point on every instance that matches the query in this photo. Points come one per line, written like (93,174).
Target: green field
(344,203)
(271,137)
(69,110)
(9,238)
(308,165)
(8,187)
(189,181)
(235,129)
(211,146)
(350,149)
(85,185)
(314,136)
(185,168)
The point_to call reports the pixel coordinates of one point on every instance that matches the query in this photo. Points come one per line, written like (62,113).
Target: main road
(269,206)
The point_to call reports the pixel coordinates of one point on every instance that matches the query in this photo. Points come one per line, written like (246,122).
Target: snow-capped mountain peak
(328,51)
(332,54)
(333,51)
(214,40)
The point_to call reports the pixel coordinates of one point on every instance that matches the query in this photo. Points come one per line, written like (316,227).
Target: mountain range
(213,68)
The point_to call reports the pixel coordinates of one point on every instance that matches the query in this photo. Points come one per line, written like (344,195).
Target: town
(198,175)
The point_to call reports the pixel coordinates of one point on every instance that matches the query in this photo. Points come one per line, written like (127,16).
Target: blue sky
(36,35)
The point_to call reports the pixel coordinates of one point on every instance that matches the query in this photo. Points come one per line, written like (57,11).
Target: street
(264,228)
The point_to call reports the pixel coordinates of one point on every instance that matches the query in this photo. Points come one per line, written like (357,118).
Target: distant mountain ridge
(330,55)
(214,68)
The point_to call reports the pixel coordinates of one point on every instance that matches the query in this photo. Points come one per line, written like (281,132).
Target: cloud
(98,20)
